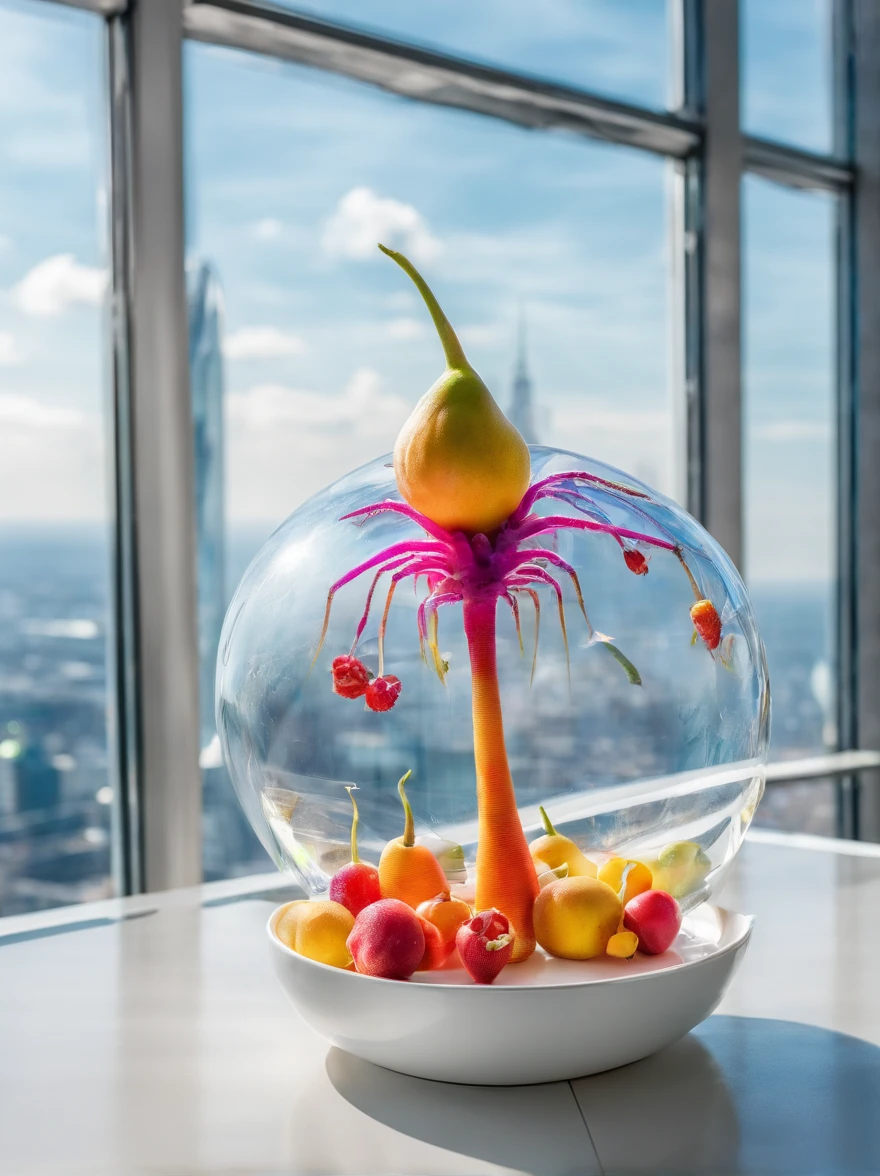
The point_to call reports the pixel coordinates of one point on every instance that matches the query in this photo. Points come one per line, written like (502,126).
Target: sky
(291,178)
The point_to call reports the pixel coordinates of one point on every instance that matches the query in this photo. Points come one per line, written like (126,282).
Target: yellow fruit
(680,868)
(638,877)
(553,850)
(576,917)
(623,945)
(317,930)
(458,459)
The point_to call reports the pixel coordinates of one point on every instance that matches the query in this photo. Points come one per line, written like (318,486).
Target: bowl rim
(738,941)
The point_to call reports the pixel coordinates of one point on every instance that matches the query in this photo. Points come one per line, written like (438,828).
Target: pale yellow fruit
(638,877)
(552,850)
(318,930)
(458,460)
(575,917)
(623,945)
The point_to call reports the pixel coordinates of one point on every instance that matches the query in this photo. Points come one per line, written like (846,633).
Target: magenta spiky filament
(510,565)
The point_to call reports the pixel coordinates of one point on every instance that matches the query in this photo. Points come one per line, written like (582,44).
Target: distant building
(29,782)
(522,406)
(206,378)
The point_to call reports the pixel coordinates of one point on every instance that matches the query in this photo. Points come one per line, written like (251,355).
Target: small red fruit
(437,950)
(350,676)
(382,693)
(655,917)
(387,940)
(485,945)
(635,561)
(707,623)
(356,885)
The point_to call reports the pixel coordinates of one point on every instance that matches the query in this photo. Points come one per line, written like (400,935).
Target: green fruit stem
(349,788)
(548,828)
(452,348)
(409,827)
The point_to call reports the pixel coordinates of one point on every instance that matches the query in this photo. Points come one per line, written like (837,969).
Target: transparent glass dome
(668,770)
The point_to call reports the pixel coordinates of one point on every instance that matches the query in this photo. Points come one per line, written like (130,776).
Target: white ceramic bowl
(541,1021)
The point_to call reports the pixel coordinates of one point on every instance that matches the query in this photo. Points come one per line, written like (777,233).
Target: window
(56,786)
(790,473)
(547,248)
(788,71)
(564,182)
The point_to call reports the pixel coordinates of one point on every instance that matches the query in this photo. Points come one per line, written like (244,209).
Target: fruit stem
(506,878)
(452,349)
(349,788)
(545,820)
(409,828)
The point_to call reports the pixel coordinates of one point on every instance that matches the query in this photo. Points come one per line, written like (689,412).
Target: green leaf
(633,675)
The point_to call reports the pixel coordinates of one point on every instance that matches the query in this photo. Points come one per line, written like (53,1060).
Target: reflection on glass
(620,50)
(786,83)
(56,789)
(789,470)
(550,250)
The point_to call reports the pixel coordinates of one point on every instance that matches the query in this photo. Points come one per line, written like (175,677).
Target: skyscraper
(206,378)
(522,408)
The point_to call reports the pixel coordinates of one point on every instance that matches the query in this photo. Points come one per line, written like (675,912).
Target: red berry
(382,693)
(355,886)
(387,940)
(707,623)
(350,676)
(485,945)
(655,917)
(635,561)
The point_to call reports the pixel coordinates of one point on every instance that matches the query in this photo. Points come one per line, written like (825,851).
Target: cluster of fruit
(399,918)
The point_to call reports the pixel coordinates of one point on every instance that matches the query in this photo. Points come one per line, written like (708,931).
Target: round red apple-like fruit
(355,886)
(655,917)
(387,940)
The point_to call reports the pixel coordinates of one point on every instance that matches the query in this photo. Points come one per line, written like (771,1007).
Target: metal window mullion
(865,420)
(157,648)
(435,77)
(716,495)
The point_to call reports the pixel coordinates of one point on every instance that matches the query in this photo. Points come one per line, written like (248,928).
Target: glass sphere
(652,747)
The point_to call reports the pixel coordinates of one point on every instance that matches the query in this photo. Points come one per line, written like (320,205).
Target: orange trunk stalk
(506,877)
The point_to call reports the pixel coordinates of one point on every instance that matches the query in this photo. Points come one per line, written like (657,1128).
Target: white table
(148,1035)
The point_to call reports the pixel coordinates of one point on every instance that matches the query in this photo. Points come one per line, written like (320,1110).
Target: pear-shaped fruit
(458,459)
(407,871)
(554,849)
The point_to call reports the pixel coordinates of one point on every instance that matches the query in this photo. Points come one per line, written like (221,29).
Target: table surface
(148,1035)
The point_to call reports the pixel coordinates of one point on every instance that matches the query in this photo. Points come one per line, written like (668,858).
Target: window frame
(156,672)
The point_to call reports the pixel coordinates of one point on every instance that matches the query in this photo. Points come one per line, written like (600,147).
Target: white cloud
(51,462)
(23,412)
(56,284)
(267,229)
(286,443)
(405,329)
(793,431)
(9,352)
(261,343)
(363,218)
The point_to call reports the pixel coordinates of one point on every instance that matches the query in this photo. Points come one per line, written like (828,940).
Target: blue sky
(291,177)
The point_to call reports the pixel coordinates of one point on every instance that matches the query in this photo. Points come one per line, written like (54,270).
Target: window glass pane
(548,251)
(55,783)
(620,50)
(787,71)
(790,468)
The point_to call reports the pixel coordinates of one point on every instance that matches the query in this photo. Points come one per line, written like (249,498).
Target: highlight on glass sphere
(490,698)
